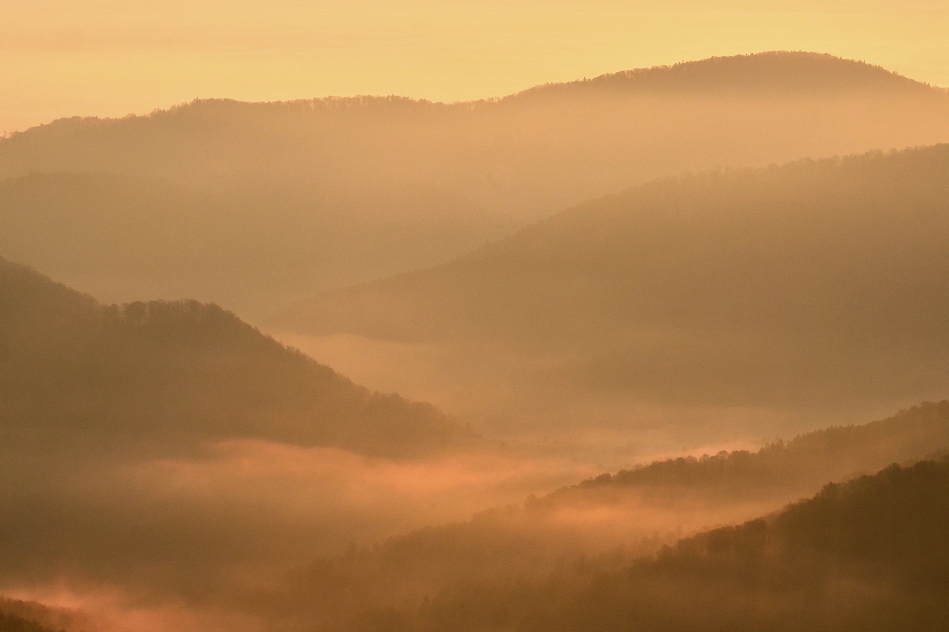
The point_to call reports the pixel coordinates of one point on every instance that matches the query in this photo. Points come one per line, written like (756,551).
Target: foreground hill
(170,376)
(817,283)
(13,623)
(17,615)
(605,522)
(307,195)
(164,452)
(869,554)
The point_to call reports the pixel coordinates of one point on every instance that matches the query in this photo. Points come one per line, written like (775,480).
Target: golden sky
(113,57)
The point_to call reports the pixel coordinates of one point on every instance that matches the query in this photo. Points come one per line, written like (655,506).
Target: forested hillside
(783,467)
(596,527)
(868,554)
(170,447)
(17,615)
(167,377)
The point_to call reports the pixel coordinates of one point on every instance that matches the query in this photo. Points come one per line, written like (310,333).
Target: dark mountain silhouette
(17,615)
(816,283)
(165,376)
(13,623)
(309,195)
(549,538)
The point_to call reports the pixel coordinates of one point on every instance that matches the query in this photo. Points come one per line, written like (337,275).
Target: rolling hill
(296,197)
(814,284)
(168,451)
(172,376)
(868,554)
(599,525)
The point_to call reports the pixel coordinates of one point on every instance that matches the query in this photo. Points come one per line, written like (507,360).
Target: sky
(115,57)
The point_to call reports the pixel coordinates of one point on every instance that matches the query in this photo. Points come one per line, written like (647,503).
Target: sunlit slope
(606,522)
(352,189)
(81,378)
(811,283)
(869,554)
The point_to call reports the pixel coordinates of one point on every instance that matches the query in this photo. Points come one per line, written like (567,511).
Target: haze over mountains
(172,447)
(256,205)
(583,315)
(837,561)
(810,286)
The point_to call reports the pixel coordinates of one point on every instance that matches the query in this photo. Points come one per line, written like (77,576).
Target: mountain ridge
(774,71)
(312,195)
(180,373)
(750,287)
(757,70)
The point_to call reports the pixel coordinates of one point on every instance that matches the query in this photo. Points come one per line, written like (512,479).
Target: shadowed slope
(168,451)
(602,523)
(170,376)
(869,554)
(17,615)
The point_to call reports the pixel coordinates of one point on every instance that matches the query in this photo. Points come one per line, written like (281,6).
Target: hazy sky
(113,57)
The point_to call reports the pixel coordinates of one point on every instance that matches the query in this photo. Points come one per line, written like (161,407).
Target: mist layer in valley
(167,453)
(196,509)
(153,480)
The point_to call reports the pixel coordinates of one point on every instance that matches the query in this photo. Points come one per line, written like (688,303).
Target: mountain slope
(355,189)
(869,554)
(814,283)
(170,376)
(780,469)
(17,615)
(607,521)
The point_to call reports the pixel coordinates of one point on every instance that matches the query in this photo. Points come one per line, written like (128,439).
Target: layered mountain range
(599,302)
(256,205)
(816,284)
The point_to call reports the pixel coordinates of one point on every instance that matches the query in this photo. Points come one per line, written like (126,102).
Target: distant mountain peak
(770,71)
